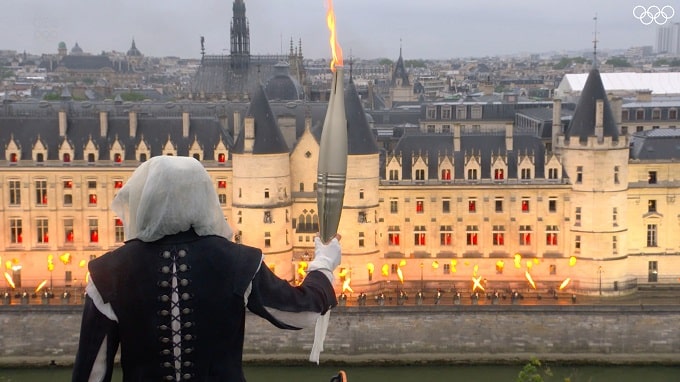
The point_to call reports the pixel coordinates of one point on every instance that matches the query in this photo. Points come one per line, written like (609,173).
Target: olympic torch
(332,169)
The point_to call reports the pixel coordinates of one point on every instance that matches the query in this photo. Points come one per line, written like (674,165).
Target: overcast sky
(369,28)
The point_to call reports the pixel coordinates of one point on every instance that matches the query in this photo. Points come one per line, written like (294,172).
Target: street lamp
(599,271)
(422,283)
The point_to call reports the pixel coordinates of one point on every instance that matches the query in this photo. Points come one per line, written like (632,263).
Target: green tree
(414,63)
(385,61)
(132,97)
(533,372)
(5,73)
(618,62)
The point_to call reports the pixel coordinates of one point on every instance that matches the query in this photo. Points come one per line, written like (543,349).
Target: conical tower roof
(582,124)
(360,139)
(268,136)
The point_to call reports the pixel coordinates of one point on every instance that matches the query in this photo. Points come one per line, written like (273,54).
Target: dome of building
(282,86)
(62,45)
(76,49)
(133,51)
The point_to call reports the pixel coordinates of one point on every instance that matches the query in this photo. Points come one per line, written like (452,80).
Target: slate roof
(656,144)
(432,145)
(268,136)
(282,86)
(583,122)
(400,72)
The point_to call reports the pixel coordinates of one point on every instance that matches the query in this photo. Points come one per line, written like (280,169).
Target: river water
(485,373)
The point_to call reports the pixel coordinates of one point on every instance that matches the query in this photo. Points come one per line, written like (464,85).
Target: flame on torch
(9,280)
(435,264)
(530,279)
(336,50)
(400,274)
(40,286)
(65,258)
(8,264)
(572,261)
(385,270)
(301,270)
(346,287)
(518,260)
(565,283)
(82,263)
(477,283)
(453,265)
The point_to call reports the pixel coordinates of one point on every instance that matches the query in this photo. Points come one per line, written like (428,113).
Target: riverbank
(33,336)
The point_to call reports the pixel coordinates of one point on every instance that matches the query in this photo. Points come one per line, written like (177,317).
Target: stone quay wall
(35,335)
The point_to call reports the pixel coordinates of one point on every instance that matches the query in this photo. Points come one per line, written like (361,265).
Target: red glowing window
(420,206)
(44,199)
(499,174)
(20,238)
(222,184)
(551,238)
(94,236)
(68,184)
(498,238)
(446,174)
(119,223)
(471,238)
(46,238)
(117,158)
(67,157)
(525,239)
(13,157)
(472,206)
(525,206)
(446,239)
(394,238)
(69,237)
(92,199)
(117,184)
(221,158)
(419,238)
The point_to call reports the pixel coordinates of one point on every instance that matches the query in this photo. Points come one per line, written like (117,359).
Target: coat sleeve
(287,306)
(97,346)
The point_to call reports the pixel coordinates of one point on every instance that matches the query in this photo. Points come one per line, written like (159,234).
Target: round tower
(261,187)
(595,158)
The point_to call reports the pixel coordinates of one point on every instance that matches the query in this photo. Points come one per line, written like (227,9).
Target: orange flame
(453,265)
(435,264)
(302,269)
(82,263)
(8,264)
(400,274)
(530,279)
(40,286)
(385,270)
(518,261)
(9,280)
(346,287)
(565,283)
(335,46)
(370,268)
(477,283)
(572,261)
(65,258)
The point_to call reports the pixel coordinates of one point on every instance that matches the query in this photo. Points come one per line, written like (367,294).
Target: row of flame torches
(477,279)
(14,265)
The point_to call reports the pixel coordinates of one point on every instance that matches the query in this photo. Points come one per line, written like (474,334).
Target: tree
(385,61)
(533,372)
(618,62)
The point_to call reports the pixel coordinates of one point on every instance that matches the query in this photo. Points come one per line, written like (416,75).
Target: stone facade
(34,335)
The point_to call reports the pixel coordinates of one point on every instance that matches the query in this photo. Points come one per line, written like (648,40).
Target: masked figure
(174,296)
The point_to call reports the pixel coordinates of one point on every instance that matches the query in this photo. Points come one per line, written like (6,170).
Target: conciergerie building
(471,195)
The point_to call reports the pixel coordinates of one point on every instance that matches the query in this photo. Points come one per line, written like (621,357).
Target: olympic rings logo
(653,14)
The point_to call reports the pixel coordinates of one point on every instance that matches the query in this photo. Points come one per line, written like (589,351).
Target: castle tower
(261,194)
(359,222)
(240,37)
(595,158)
(400,87)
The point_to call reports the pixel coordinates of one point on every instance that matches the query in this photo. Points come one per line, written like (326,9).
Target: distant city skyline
(435,29)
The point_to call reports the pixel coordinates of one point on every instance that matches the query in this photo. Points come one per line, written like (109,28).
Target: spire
(360,139)
(595,43)
(240,36)
(399,74)
(583,123)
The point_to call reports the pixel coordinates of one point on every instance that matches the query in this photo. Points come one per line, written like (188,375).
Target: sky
(430,29)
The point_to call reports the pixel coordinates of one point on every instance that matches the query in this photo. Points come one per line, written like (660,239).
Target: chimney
(185,124)
(133,123)
(103,123)
(237,123)
(556,121)
(508,137)
(62,123)
(616,104)
(599,120)
(456,137)
(249,138)
(644,96)
(308,122)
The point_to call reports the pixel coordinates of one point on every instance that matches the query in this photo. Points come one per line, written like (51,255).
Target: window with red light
(525,205)
(117,184)
(68,230)
(525,235)
(94,230)
(498,174)
(551,238)
(222,184)
(92,199)
(117,157)
(13,157)
(68,184)
(472,205)
(420,206)
(419,235)
(42,228)
(393,238)
(471,235)
(41,192)
(15,236)
(221,158)
(445,235)
(498,238)
(119,231)
(446,174)
(67,157)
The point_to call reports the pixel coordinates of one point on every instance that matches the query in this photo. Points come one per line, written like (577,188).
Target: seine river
(403,374)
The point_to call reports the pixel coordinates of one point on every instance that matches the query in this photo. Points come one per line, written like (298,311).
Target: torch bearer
(332,169)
